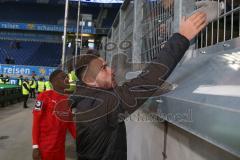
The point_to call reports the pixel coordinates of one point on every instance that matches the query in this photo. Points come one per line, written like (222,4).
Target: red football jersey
(51,119)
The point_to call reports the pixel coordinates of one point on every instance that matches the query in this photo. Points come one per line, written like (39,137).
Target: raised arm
(134,93)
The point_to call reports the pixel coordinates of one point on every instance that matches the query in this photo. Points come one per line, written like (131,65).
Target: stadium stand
(33,13)
(32,53)
(49,54)
(41,13)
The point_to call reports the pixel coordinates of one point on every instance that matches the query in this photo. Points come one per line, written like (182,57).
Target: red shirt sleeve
(72,129)
(37,113)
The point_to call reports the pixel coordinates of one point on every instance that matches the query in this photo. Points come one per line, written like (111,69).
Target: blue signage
(44,27)
(31,37)
(25,71)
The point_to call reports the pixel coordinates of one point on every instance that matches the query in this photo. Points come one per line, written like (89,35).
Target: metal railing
(225,27)
(157,26)
(159,19)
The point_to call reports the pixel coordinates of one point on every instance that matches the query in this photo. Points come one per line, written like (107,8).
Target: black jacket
(101,132)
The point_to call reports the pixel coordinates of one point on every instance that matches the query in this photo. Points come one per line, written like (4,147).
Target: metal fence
(157,26)
(148,24)
(120,37)
(226,27)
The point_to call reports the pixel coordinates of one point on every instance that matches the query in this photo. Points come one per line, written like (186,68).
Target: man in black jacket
(101,105)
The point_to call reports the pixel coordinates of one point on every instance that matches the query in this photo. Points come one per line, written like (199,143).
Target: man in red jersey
(49,131)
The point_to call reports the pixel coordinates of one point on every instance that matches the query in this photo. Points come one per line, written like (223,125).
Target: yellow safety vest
(40,86)
(24,90)
(72,81)
(34,85)
(1,81)
(19,82)
(73,76)
(48,85)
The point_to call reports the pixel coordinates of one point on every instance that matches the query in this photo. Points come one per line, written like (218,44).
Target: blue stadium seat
(32,53)
(41,13)
(33,13)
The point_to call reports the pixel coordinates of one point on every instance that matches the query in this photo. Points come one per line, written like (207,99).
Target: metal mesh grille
(126,33)
(157,26)
(226,27)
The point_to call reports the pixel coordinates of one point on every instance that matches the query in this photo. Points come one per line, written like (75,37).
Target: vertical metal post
(224,27)
(218,23)
(206,38)
(212,32)
(65,34)
(178,13)
(155,28)
(81,36)
(151,31)
(77,33)
(158,27)
(137,31)
(232,21)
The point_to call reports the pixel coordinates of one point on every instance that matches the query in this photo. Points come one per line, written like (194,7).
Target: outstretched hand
(191,26)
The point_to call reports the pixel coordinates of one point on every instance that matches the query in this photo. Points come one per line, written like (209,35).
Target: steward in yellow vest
(20,80)
(33,86)
(1,79)
(25,92)
(72,81)
(48,85)
(40,86)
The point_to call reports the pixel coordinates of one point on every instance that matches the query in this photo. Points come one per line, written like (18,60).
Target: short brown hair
(82,62)
(93,52)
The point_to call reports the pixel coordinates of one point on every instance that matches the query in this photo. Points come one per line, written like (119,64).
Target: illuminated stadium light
(91,40)
(101,1)
(86,35)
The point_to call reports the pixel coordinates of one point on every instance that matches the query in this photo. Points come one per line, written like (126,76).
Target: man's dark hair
(93,52)
(70,63)
(54,74)
(82,63)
